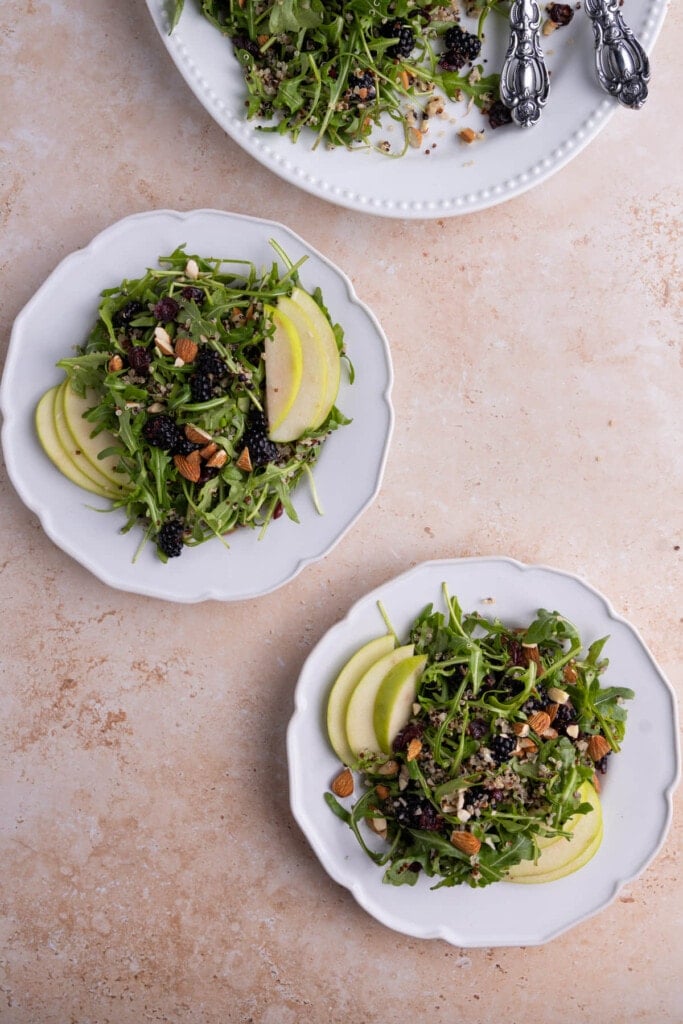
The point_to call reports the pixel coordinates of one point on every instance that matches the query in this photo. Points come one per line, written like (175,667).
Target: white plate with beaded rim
(250,566)
(636,792)
(446,176)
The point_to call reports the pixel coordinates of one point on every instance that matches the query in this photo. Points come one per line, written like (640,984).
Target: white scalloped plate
(67,303)
(636,792)
(454,177)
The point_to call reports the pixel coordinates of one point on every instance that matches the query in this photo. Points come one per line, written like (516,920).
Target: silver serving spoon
(524,84)
(621,63)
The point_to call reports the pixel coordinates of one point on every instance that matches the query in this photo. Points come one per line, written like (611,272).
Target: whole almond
(186,350)
(465,842)
(569,673)
(189,466)
(196,434)
(598,747)
(551,711)
(343,784)
(539,722)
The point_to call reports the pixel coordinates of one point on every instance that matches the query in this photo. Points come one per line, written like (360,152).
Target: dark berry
(563,717)
(477,728)
(162,432)
(414,811)
(241,42)
(193,294)
(183,446)
(208,361)
(201,387)
(501,747)
(561,14)
(461,48)
(409,732)
(601,765)
(362,86)
(170,538)
(403,33)
(499,114)
(127,313)
(261,449)
(139,359)
(166,309)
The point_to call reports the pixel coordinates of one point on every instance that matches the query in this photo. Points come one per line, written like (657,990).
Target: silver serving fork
(621,63)
(524,84)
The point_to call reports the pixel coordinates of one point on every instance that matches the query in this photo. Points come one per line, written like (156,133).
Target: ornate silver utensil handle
(621,63)
(524,84)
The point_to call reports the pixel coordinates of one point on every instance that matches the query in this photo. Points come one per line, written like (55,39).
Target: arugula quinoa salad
(174,374)
(345,70)
(499,754)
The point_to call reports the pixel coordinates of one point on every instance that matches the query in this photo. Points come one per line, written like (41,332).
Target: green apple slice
(323,329)
(56,452)
(284,366)
(344,685)
(75,453)
(306,409)
(395,699)
(560,856)
(360,730)
(71,407)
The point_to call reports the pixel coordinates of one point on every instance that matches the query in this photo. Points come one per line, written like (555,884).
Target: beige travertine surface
(150,869)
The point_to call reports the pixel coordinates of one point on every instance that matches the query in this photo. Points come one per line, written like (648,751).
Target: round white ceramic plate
(636,792)
(59,316)
(454,177)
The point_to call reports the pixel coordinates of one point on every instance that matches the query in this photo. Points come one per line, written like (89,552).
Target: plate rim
(10,414)
(444,931)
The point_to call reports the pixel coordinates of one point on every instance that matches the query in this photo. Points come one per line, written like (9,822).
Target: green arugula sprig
(481,679)
(301,59)
(230,320)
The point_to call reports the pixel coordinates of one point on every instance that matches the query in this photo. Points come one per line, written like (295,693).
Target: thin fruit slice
(306,409)
(344,685)
(323,329)
(360,731)
(284,367)
(395,699)
(72,407)
(560,858)
(49,439)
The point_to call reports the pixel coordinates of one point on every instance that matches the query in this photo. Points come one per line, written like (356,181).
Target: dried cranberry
(411,731)
(561,14)
(499,115)
(477,728)
(193,294)
(139,359)
(166,309)
(415,811)
(127,313)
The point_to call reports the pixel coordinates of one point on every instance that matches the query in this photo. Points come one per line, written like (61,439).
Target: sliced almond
(520,728)
(378,826)
(572,731)
(528,746)
(598,747)
(218,459)
(189,466)
(539,722)
(162,340)
(570,674)
(466,842)
(207,451)
(192,270)
(414,748)
(389,768)
(415,137)
(469,135)
(531,653)
(196,434)
(551,711)
(596,783)
(382,791)
(115,364)
(186,349)
(244,461)
(557,695)
(343,784)
(550,734)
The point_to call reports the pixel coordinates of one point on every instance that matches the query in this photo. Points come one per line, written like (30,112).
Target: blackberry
(461,48)
(183,446)
(162,432)
(477,728)
(411,731)
(401,31)
(501,747)
(499,114)
(123,316)
(170,538)
(201,387)
(261,449)
(414,811)
(166,309)
(601,765)
(209,362)
(362,86)
(139,359)
(193,294)
(561,14)
(563,717)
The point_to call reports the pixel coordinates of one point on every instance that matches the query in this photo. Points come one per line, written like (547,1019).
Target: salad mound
(343,70)
(173,376)
(496,758)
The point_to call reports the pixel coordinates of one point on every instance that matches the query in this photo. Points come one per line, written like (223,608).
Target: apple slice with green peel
(360,730)
(323,329)
(344,685)
(307,407)
(560,856)
(55,451)
(284,366)
(75,453)
(395,699)
(72,407)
